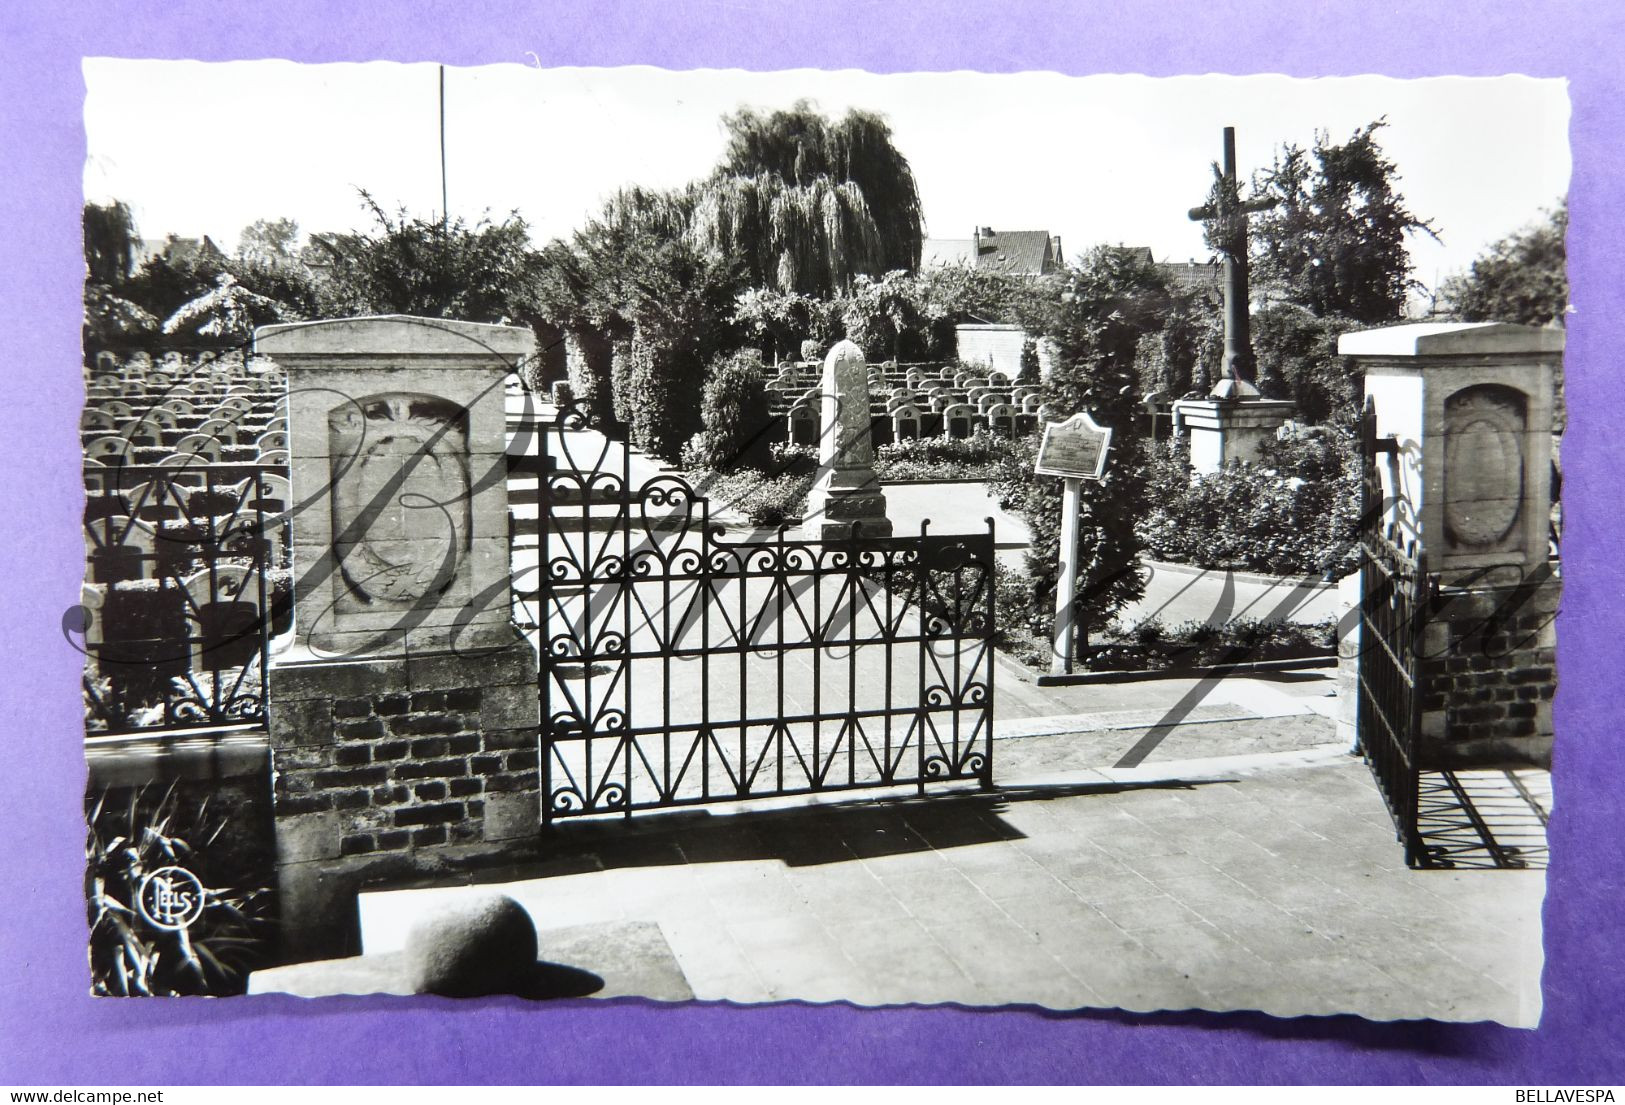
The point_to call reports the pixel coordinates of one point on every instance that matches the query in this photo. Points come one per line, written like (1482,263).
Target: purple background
(52,1032)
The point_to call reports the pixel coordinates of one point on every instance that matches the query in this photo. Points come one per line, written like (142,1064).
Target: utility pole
(445,211)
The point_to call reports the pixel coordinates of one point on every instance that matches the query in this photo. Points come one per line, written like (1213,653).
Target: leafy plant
(1151,645)
(1297,513)
(735,413)
(942,458)
(129,956)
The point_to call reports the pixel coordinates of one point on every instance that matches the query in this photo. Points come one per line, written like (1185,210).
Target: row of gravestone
(178,414)
(178,594)
(105,360)
(794,377)
(943,415)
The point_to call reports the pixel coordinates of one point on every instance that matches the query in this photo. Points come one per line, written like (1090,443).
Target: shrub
(1022,620)
(735,413)
(1265,517)
(128,955)
(1028,373)
(943,458)
(788,456)
(620,379)
(764,499)
(1153,646)
(1298,350)
(663,395)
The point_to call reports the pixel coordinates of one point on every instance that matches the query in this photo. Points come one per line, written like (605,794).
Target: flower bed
(1153,646)
(941,458)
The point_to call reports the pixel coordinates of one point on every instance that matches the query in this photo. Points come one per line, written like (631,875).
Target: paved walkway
(1267,882)
(1156,845)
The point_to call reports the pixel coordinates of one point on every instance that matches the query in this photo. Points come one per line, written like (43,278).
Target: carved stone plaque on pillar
(1484,468)
(397,443)
(1469,407)
(400,500)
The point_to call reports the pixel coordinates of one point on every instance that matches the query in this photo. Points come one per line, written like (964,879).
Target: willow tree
(811,202)
(811,238)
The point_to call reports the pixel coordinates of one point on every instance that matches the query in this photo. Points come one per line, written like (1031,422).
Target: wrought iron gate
(680,668)
(1396,596)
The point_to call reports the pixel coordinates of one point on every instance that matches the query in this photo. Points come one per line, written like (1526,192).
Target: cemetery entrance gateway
(679,668)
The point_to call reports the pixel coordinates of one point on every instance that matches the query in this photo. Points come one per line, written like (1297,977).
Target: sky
(207,148)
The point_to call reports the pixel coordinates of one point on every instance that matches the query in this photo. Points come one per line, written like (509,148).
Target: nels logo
(171,898)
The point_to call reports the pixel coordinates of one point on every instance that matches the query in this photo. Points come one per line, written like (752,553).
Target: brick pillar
(403,719)
(1469,407)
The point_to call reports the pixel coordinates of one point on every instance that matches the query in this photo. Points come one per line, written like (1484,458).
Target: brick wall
(1490,674)
(392,769)
(408,770)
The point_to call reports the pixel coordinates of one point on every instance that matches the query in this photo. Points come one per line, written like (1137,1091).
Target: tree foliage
(677,311)
(735,413)
(780,321)
(879,313)
(1521,278)
(269,242)
(1110,300)
(227,312)
(814,237)
(110,242)
(1297,356)
(800,146)
(480,272)
(173,276)
(1336,240)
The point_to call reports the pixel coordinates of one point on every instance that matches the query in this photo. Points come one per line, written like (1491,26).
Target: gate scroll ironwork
(678,668)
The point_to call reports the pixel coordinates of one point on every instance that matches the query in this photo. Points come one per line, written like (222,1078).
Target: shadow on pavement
(1483,819)
(836,832)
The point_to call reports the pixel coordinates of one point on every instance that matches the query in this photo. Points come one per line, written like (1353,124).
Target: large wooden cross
(1230,213)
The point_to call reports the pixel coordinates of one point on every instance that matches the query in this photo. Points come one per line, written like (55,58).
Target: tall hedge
(735,412)
(664,380)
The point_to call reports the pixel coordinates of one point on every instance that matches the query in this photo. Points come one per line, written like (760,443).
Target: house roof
(947,251)
(1024,252)
(1188,276)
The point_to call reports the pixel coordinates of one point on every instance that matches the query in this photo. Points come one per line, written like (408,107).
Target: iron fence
(680,668)
(188,577)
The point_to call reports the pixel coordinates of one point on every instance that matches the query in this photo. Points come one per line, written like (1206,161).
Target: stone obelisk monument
(847,491)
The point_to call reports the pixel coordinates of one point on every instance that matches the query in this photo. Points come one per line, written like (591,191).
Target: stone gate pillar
(1470,410)
(403,715)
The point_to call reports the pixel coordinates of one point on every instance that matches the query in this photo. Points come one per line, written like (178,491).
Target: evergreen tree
(1109,301)
(1336,240)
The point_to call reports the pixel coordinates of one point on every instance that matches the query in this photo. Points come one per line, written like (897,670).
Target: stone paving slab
(1270,881)
(629,960)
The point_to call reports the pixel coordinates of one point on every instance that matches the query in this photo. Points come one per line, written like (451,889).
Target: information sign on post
(1075,450)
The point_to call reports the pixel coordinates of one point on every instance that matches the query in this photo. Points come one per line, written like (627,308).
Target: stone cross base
(1225,432)
(395,769)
